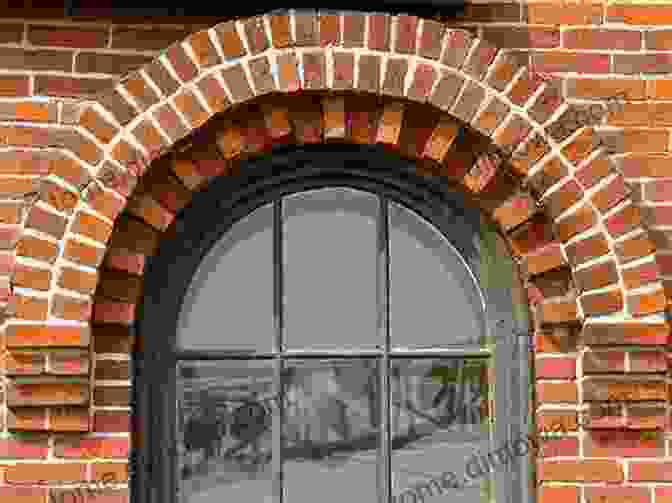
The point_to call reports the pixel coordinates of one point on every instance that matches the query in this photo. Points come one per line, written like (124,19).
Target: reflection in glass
(332,430)
(229,304)
(330,269)
(224,425)
(438,420)
(423,265)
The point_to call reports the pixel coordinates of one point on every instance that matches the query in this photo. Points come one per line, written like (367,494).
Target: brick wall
(586,216)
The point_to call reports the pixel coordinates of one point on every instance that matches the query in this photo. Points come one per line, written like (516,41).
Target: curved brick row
(440,96)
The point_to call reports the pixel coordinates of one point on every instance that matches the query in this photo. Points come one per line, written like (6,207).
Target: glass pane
(331,432)
(224,431)
(330,269)
(434,301)
(439,420)
(229,304)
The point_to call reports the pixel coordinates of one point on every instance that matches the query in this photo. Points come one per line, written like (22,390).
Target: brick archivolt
(437,95)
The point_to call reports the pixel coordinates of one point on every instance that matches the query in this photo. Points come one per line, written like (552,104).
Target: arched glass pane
(434,300)
(330,269)
(229,304)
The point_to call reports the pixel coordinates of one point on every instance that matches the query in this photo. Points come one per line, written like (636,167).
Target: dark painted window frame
(187,241)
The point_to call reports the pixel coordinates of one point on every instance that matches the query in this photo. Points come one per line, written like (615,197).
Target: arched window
(323,331)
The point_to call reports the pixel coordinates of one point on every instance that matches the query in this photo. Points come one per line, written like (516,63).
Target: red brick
(13,494)
(544,259)
(581,471)
(231,44)
(623,221)
(431,39)
(379,32)
(11,86)
(91,447)
(111,421)
(581,62)
(602,303)
(147,38)
(522,37)
(353,29)
(650,471)
(578,221)
(49,472)
(552,392)
(406,34)
(629,494)
(47,393)
(63,36)
(647,303)
(555,368)
(564,494)
(114,312)
(305,27)
(329,29)
(590,38)
(111,64)
(559,311)
(625,334)
(596,276)
(603,361)
(647,361)
(587,249)
(480,59)
(184,68)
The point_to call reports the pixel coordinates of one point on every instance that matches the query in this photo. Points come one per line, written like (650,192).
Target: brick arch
(440,96)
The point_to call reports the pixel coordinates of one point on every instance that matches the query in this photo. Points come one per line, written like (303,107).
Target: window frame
(191,236)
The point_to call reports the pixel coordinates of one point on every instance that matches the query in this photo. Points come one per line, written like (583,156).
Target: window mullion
(278,391)
(383,277)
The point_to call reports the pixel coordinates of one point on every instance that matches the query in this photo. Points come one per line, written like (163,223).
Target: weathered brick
(431,39)
(143,95)
(288,73)
(544,259)
(480,59)
(647,303)
(596,276)
(379,32)
(111,64)
(558,311)
(306,28)
(186,102)
(458,44)
(158,73)
(260,69)
(353,29)
(148,38)
(231,44)
(47,393)
(281,34)
(566,392)
(581,471)
(28,473)
(406,34)
(470,100)
(446,90)
(255,34)
(184,68)
(563,198)
(395,75)
(578,221)
(421,85)
(602,303)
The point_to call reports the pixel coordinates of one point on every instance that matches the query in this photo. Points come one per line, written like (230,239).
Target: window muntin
(383,355)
